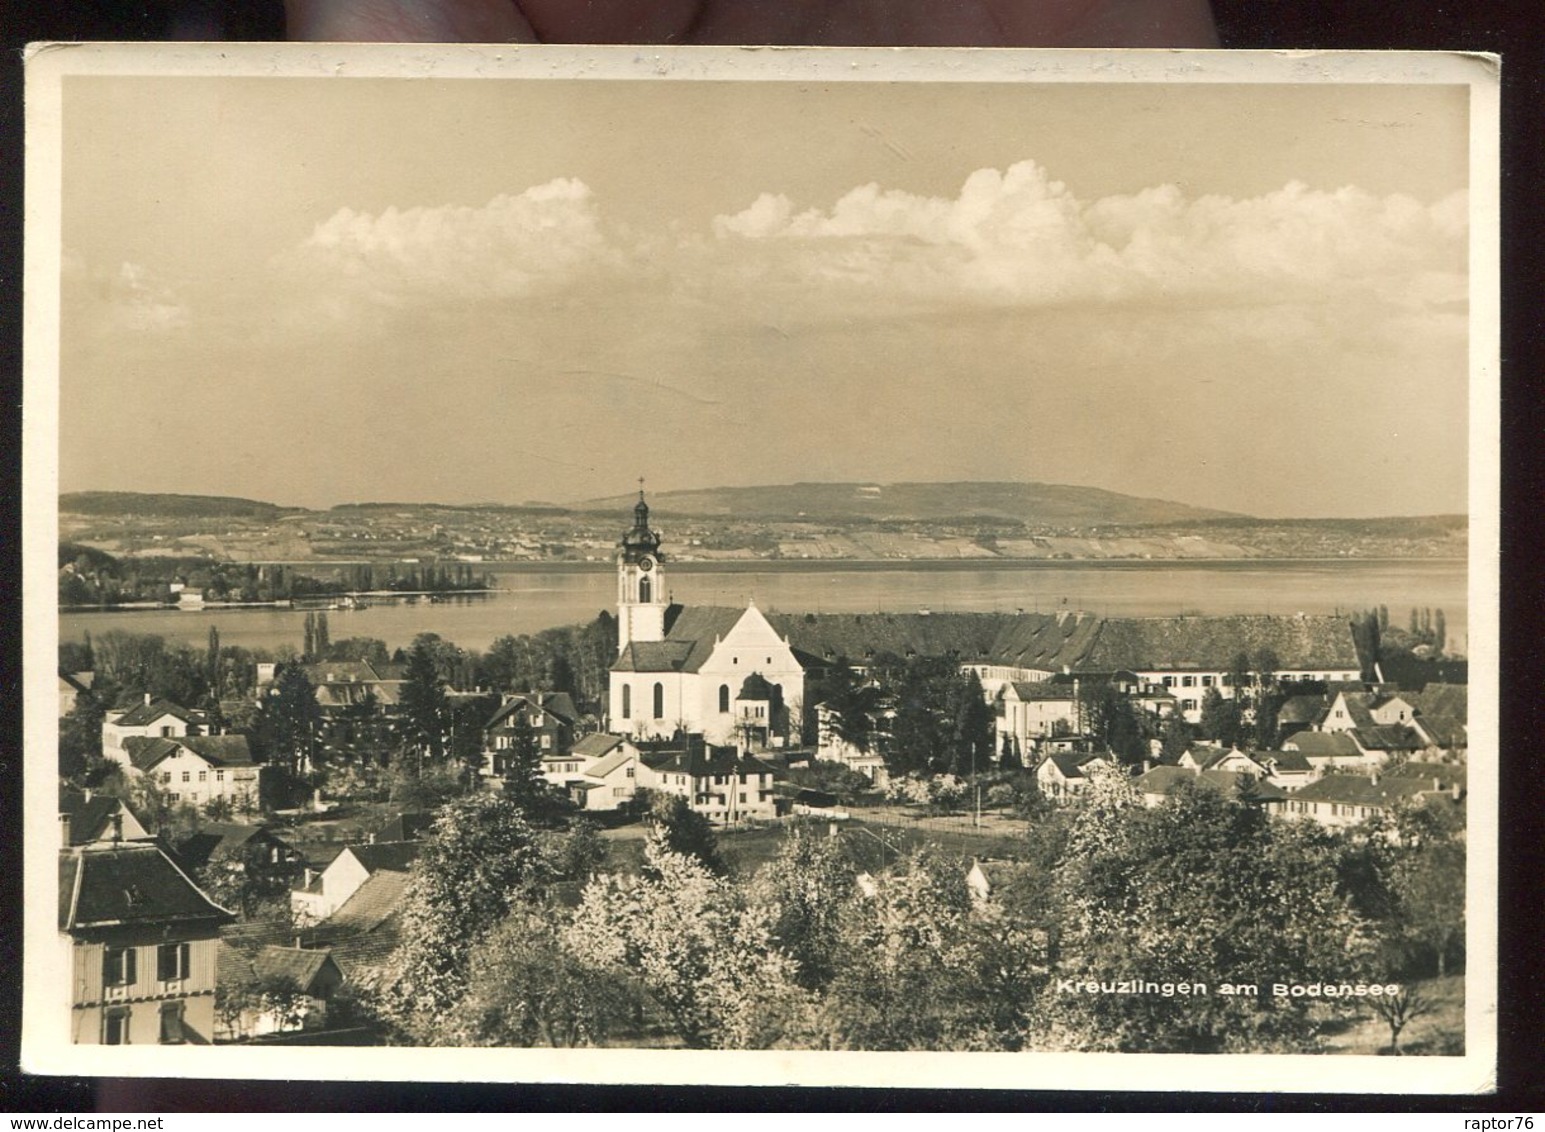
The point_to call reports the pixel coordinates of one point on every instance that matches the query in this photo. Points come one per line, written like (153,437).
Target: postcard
(908,568)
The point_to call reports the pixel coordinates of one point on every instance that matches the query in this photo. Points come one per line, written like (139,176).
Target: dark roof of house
(220,838)
(142,714)
(1358,707)
(701,761)
(1280,762)
(304,967)
(340,672)
(1212,643)
(129,883)
(89,817)
(1072,765)
(606,765)
(1323,744)
(1044,690)
(1450,700)
(1356,790)
(371,903)
(1443,773)
(1166,780)
(1301,709)
(216,750)
(1390,737)
(558,704)
(410,825)
(395,856)
(596,746)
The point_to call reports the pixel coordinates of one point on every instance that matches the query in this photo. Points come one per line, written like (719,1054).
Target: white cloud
(1020,237)
(506,248)
(129,297)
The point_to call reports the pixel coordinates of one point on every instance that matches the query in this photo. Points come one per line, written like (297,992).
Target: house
(610,781)
(720,783)
(154,718)
(1029,711)
(1061,776)
(1328,749)
(410,825)
(1191,655)
(547,720)
(327,892)
(142,940)
(251,854)
(1161,782)
(196,768)
(1206,756)
(1339,801)
(832,747)
(273,990)
(91,816)
(1442,716)
(364,931)
(1287,770)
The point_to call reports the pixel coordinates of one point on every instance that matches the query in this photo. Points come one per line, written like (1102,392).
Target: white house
(155,718)
(195,768)
(330,889)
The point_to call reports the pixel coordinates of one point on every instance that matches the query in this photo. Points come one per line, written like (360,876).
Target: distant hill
(166,505)
(1034,504)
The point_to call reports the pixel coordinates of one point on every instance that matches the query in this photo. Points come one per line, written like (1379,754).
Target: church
(725,674)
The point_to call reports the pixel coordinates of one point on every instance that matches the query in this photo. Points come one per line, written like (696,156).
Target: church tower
(641,597)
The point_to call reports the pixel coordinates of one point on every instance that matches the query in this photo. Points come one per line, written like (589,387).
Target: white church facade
(725,674)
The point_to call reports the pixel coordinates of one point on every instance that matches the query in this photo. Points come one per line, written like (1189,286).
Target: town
(698,826)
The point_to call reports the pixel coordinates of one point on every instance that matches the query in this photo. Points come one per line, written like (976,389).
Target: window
(659,701)
(724,697)
(643,590)
(166,732)
(202,775)
(118,966)
(1207,681)
(115,1027)
(1169,681)
(1188,681)
(630,772)
(627,702)
(166,776)
(174,797)
(742,798)
(187,776)
(172,961)
(547,742)
(171,1023)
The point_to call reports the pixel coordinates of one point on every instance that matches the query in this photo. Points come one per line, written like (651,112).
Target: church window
(724,697)
(627,701)
(659,701)
(643,590)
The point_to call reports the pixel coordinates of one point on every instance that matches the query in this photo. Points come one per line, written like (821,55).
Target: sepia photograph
(820,566)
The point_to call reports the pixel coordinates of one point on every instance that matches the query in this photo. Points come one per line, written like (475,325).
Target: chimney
(117,822)
(147,699)
(87,793)
(1374,778)
(1454,790)
(64,831)
(1436,785)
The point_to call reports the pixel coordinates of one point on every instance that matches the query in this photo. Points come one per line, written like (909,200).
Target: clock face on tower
(646,564)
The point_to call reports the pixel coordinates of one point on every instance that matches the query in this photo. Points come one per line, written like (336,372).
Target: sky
(314,291)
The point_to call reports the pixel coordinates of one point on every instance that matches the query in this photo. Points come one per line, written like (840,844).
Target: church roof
(689,642)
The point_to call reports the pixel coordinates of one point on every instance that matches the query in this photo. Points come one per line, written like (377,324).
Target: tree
(1428,880)
(480,859)
(973,735)
(926,966)
(1220,720)
(1111,720)
(425,707)
(1439,630)
(684,831)
(526,987)
(704,957)
(1202,889)
(1399,1010)
(288,721)
(802,891)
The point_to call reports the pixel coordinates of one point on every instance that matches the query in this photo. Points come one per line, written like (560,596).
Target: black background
(1514,30)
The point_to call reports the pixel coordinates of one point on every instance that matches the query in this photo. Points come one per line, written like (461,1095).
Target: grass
(1440,1033)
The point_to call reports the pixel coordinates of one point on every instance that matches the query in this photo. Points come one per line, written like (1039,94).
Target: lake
(530,600)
